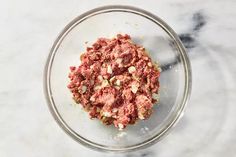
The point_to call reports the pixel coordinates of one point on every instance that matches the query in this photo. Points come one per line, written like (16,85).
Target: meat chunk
(144,106)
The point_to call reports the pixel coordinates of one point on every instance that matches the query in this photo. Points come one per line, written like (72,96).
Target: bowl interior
(144,31)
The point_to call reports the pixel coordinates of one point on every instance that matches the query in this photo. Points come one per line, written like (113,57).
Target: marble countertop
(28,30)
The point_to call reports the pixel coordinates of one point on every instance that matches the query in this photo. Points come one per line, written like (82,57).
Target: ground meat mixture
(117,82)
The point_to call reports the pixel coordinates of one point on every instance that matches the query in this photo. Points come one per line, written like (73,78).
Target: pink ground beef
(116,81)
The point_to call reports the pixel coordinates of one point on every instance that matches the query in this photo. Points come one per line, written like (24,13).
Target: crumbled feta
(92,98)
(100,78)
(117,87)
(109,69)
(98,109)
(134,88)
(97,87)
(84,88)
(114,110)
(120,126)
(105,83)
(106,114)
(117,82)
(135,77)
(140,116)
(119,60)
(112,79)
(131,69)
(155,96)
(91,66)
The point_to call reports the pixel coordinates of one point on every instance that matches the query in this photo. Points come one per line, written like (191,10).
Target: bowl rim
(118,8)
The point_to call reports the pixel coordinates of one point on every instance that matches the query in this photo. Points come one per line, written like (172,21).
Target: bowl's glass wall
(144,32)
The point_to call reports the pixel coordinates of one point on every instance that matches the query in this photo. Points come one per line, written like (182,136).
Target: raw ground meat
(117,82)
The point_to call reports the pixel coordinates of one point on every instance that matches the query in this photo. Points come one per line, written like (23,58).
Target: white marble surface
(28,29)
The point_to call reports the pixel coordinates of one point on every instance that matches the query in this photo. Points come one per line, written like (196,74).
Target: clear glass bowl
(163,45)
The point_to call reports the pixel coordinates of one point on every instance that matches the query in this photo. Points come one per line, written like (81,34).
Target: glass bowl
(145,29)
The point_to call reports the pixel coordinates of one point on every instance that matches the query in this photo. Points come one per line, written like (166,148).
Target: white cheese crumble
(114,110)
(134,88)
(92,98)
(131,69)
(84,88)
(112,79)
(100,78)
(98,109)
(117,87)
(105,83)
(120,126)
(117,82)
(97,87)
(106,114)
(119,60)
(155,96)
(140,116)
(109,69)
(135,77)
